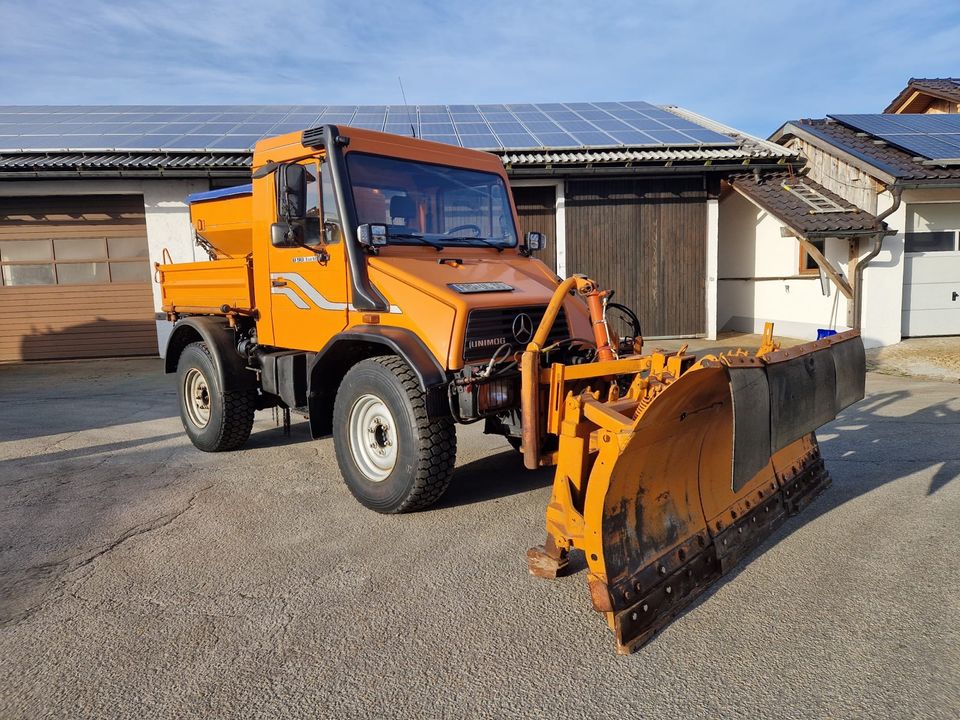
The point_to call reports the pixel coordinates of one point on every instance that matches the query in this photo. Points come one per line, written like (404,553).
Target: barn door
(647,240)
(536,207)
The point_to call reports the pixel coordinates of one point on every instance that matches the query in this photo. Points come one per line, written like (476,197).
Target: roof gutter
(896,191)
(663,169)
(114,174)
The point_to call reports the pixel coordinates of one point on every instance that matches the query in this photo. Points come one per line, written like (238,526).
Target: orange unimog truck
(367,281)
(378,286)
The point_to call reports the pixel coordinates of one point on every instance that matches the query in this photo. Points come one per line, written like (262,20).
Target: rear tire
(215,420)
(393,457)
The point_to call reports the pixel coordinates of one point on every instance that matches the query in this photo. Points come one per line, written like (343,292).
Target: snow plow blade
(667,485)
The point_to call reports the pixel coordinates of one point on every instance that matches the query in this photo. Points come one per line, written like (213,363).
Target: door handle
(278,283)
(955,296)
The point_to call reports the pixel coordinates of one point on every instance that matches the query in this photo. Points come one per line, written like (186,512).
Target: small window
(127,248)
(80,248)
(129,272)
(82,273)
(25,250)
(28,275)
(936,241)
(311,226)
(331,213)
(313,190)
(808,266)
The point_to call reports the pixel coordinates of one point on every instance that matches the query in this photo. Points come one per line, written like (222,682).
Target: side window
(809,266)
(311,226)
(331,213)
(306,218)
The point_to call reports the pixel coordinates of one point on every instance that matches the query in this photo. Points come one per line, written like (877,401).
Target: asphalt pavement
(142,578)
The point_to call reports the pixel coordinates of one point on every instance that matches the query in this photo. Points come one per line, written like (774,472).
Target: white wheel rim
(196,397)
(373,438)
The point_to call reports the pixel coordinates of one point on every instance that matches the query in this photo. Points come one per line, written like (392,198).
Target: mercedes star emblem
(523,328)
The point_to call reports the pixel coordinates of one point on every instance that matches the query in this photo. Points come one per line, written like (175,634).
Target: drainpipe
(896,191)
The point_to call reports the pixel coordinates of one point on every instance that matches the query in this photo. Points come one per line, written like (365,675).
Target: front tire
(214,420)
(393,457)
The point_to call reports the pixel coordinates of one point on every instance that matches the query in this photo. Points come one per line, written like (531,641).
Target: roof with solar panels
(922,149)
(183,140)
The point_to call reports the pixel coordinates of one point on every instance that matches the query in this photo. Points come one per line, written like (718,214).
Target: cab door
(308,285)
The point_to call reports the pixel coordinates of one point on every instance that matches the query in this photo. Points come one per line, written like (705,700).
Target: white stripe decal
(290,294)
(307,289)
(311,292)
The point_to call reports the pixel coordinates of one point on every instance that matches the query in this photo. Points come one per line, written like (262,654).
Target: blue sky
(752,65)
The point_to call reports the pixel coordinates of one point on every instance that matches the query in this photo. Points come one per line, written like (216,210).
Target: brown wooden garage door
(647,240)
(536,207)
(74,278)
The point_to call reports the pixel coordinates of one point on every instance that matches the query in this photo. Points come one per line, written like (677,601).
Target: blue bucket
(823,333)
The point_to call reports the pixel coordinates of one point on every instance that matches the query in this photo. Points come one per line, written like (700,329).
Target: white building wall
(713,253)
(883,282)
(166,213)
(168,228)
(759,279)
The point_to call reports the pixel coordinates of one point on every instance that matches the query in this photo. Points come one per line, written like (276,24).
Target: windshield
(422,203)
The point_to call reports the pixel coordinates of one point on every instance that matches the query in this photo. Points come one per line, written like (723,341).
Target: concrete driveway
(142,578)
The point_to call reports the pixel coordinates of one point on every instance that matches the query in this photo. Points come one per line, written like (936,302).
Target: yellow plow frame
(667,485)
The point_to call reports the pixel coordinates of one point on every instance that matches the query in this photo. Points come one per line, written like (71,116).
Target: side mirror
(372,236)
(285,235)
(292,192)
(535,241)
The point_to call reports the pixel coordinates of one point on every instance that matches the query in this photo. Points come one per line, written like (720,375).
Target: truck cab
(377,285)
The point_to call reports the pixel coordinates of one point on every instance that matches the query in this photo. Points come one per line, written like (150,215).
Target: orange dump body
(224,218)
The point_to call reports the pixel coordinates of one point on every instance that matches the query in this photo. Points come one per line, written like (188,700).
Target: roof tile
(771,192)
(893,161)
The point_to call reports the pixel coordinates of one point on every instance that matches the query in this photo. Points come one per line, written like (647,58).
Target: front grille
(489,328)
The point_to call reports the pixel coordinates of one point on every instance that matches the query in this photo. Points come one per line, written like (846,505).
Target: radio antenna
(413,130)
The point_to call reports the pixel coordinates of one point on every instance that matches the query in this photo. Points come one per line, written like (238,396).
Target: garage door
(74,278)
(931,284)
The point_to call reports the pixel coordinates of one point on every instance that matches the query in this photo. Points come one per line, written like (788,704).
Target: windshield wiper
(486,242)
(414,236)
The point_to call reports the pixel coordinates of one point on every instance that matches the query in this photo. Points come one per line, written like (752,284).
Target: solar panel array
(936,137)
(238,127)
